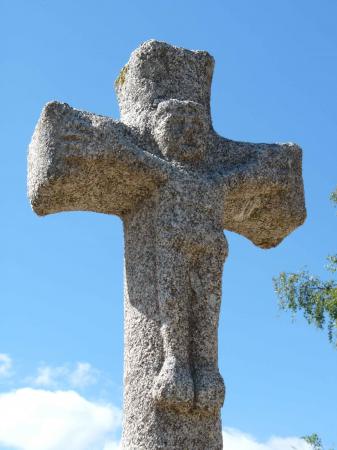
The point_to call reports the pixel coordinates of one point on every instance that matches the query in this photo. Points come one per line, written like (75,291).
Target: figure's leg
(206,284)
(173,386)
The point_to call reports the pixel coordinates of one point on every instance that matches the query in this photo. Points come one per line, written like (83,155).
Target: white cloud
(35,419)
(5,365)
(236,440)
(49,376)
(81,376)
(112,445)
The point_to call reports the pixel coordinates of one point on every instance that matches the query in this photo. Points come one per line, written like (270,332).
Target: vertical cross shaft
(176,184)
(145,425)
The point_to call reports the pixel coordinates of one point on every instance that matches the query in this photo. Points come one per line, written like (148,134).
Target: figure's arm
(82,161)
(262,190)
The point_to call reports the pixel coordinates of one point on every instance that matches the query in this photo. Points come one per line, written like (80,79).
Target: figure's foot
(173,387)
(209,390)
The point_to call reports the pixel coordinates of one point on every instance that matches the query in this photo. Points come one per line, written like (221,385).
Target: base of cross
(147,423)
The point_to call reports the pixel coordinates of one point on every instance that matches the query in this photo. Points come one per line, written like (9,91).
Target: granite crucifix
(176,184)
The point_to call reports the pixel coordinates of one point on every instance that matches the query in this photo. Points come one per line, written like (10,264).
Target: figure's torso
(187,211)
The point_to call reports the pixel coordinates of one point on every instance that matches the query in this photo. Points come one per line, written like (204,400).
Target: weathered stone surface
(176,184)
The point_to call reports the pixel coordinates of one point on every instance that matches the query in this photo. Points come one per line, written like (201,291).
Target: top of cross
(157,72)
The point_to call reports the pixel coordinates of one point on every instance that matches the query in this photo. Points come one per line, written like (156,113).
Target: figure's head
(180,129)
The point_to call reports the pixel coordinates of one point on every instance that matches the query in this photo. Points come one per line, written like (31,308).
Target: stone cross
(176,184)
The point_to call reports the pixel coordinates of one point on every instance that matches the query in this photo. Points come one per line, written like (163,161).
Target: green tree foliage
(334,197)
(315,298)
(314,440)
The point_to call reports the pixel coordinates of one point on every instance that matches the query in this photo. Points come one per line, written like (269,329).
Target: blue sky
(61,287)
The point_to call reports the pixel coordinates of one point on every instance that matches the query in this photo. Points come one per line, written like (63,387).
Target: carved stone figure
(176,184)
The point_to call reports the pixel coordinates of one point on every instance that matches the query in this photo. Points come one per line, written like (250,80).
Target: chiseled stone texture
(176,184)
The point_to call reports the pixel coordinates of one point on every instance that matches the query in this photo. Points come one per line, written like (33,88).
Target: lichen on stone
(120,80)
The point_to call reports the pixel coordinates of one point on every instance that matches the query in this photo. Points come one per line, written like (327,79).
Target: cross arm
(262,190)
(82,161)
